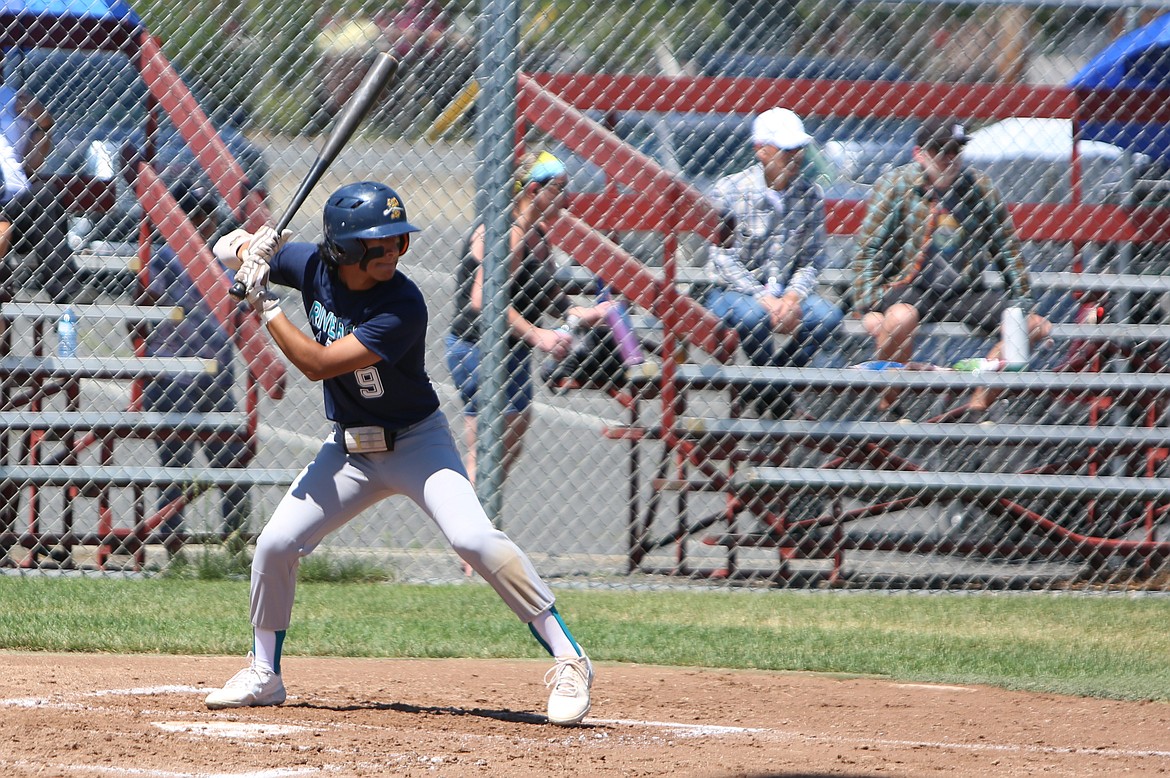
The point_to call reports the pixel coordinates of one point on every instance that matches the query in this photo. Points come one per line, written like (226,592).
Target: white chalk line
(695,730)
(62,703)
(76,769)
(147,691)
(703,729)
(681,730)
(942,745)
(236,730)
(933,687)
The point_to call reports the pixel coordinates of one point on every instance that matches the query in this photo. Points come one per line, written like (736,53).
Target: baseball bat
(352,113)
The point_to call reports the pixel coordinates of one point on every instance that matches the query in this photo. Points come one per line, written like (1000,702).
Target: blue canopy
(1139,60)
(105,10)
(70,24)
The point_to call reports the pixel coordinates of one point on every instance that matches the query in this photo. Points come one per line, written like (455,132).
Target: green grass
(1111,647)
(233,561)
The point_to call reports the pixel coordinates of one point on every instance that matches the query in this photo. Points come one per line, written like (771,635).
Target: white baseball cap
(781,128)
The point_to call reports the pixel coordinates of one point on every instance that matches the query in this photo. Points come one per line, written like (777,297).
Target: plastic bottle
(979,365)
(553,367)
(622,328)
(572,328)
(67,334)
(1014,332)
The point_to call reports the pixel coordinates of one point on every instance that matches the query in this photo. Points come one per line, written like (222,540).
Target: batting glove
(253,274)
(265,243)
(265,303)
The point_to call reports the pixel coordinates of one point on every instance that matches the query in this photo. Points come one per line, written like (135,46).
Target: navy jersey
(390,319)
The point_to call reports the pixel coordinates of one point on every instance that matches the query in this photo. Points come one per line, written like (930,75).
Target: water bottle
(67,334)
(980,365)
(1014,332)
(622,328)
(554,368)
(572,327)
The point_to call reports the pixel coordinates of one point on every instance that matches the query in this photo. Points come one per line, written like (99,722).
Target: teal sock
(550,631)
(267,646)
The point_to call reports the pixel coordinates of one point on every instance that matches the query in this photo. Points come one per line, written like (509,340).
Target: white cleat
(253,686)
(570,679)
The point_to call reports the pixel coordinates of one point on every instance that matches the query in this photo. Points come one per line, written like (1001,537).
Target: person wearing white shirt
(33,220)
(764,272)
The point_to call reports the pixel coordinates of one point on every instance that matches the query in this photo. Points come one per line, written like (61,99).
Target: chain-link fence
(909,335)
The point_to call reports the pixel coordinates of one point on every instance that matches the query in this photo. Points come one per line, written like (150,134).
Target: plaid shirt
(895,227)
(772,251)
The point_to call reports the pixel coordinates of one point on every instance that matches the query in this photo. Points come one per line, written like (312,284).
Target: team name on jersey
(327,323)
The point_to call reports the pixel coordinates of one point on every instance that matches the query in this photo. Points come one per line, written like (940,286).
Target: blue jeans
(463,358)
(819,318)
(206,394)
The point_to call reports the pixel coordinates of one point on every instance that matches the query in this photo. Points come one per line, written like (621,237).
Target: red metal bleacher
(641,196)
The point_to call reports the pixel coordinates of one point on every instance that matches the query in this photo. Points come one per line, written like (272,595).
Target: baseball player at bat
(368,323)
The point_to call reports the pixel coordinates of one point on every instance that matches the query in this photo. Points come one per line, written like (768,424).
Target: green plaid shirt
(895,227)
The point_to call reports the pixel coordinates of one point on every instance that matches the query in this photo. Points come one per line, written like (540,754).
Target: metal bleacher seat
(72,448)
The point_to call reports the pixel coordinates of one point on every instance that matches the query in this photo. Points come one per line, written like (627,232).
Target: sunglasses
(948,150)
(558,183)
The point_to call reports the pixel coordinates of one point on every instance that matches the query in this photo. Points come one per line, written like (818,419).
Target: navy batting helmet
(359,212)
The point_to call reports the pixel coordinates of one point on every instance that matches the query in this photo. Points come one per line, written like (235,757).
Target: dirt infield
(96,715)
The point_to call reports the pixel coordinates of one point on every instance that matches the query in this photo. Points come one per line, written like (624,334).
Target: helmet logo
(358,213)
(394,209)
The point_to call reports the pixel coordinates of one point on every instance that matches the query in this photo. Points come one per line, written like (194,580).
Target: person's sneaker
(253,686)
(570,679)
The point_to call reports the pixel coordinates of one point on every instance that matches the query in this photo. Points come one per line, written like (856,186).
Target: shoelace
(568,675)
(249,675)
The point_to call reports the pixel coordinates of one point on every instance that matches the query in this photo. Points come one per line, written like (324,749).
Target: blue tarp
(1139,60)
(103,10)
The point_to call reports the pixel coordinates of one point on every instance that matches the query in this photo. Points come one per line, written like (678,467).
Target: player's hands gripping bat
(261,248)
(379,74)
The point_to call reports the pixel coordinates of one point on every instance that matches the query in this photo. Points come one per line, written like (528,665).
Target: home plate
(233,729)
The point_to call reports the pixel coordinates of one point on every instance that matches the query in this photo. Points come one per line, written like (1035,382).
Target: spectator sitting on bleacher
(197,334)
(764,273)
(33,220)
(931,228)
